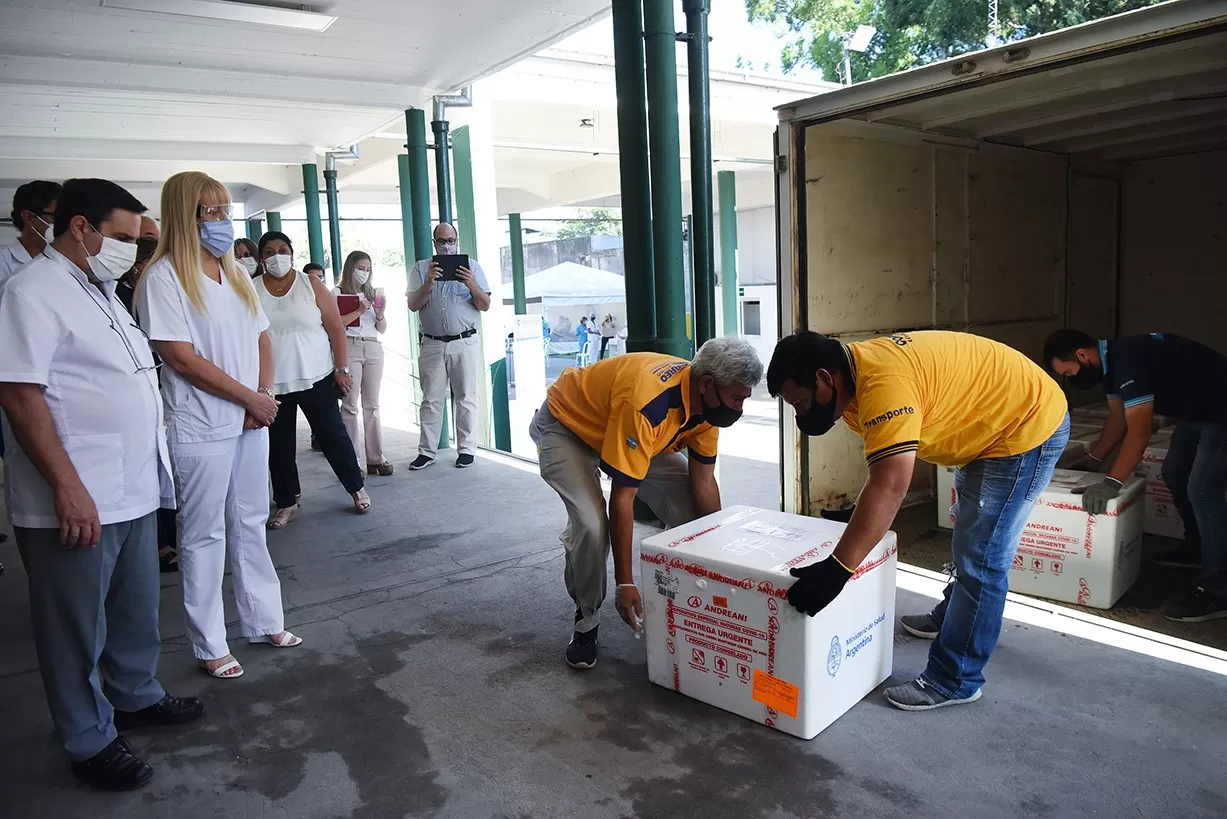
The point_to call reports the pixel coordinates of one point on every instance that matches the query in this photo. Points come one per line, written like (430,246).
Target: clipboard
(348,304)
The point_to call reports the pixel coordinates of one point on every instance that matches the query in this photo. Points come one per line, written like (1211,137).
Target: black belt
(465,334)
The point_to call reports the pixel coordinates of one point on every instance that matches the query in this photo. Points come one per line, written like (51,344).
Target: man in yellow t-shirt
(953,399)
(631,416)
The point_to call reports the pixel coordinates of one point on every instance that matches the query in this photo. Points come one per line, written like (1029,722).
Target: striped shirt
(449,311)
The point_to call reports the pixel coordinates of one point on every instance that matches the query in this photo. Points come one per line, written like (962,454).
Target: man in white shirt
(33,213)
(87,470)
(451,352)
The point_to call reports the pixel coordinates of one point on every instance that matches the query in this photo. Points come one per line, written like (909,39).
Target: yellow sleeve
(626,452)
(889,416)
(701,444)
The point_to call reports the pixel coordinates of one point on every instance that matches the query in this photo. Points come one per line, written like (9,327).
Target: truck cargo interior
(1075,179)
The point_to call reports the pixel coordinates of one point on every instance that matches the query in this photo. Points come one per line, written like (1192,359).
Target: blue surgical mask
(217,237)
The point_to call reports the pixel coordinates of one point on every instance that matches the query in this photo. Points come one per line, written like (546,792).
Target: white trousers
(223,502)
(441,363)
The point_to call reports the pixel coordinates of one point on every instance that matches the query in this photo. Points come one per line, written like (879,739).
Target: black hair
(1063,345)
(309,266)
(35,197)
(273,235)
(800,356)
(95,199)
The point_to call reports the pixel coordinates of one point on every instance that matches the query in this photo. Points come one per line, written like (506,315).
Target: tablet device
(450,264)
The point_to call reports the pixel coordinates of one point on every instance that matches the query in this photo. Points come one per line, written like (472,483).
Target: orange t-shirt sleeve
(701,445)
(889,415)
(626,452)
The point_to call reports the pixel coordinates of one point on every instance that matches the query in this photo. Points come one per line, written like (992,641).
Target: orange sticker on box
(720,602)
(776,693)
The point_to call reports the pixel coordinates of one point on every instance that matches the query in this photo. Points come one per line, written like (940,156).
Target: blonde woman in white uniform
(204,318)
(365,361)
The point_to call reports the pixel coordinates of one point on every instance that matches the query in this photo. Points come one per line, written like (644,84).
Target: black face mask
(721,415)
(820,418)
(1086,377)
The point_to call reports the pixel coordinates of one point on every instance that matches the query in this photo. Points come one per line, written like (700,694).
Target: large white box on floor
(1161,516)
(719,628)
(1066,554)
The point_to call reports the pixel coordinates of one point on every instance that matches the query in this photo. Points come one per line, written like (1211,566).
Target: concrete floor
(431,683)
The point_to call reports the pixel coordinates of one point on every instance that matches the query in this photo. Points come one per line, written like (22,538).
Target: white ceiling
(90,90)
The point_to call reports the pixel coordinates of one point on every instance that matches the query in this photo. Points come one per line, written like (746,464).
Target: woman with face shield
(202,313)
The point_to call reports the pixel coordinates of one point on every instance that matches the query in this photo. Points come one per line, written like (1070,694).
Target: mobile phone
(450,264)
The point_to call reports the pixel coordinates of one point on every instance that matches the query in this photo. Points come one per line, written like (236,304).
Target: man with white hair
(632,416)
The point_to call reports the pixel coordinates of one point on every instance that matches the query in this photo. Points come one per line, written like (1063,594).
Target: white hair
(729,360)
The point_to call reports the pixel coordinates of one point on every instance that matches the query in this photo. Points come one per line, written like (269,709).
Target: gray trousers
(95,618)
(570,466)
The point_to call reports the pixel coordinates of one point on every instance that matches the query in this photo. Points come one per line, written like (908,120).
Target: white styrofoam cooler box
(719,628)
(1066,554)
(1161,516)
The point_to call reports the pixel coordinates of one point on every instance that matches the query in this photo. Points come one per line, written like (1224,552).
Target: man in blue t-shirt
(1181,379)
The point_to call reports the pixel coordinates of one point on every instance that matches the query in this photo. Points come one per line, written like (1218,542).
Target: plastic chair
(584,357)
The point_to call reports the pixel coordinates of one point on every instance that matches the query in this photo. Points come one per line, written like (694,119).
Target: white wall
(1174,249)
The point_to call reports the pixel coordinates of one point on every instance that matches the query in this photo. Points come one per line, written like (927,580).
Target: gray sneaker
(924,626)
(918,695)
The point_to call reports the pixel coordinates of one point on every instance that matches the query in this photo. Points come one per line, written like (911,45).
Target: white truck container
(1070,180)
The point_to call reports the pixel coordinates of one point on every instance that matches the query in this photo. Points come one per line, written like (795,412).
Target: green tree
(913,32)
(592,222)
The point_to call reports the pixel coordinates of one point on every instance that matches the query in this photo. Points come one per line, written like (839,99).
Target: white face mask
(49,233)
(114,259)
(361,276)
(278,265)
(248,264)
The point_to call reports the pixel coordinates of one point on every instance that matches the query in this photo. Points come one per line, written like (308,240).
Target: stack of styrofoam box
(1066,554)
(719,627)
(1161,516)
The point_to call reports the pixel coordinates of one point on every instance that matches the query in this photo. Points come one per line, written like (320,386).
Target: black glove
(817,585)
(1095,497)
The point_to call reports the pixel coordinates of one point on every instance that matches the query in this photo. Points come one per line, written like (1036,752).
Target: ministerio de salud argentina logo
(834,656)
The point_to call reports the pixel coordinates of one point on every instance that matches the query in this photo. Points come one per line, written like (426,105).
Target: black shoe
(421,462)
(918,695)
(167,711)
(463,460)
(1186,556)
(581,652)
(924,626)
(114,768)
(1198,607)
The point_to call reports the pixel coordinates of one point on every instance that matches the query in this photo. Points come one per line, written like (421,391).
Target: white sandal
(220,671)
(283,640)
(362,502)
(283,516)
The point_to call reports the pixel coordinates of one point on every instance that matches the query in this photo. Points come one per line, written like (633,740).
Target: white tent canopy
(570,283)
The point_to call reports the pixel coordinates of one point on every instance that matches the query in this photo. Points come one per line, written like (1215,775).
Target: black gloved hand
(817,585)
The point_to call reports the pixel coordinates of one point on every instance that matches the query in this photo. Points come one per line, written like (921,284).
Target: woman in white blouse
(201,312)
(362,326)
(311,368)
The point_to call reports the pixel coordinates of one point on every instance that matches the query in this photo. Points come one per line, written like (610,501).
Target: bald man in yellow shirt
(953,399)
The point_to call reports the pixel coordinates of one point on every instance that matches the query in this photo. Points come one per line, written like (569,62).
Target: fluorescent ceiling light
(272,14)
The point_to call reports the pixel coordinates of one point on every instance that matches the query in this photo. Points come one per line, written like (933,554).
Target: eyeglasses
(140,368)
(215,213)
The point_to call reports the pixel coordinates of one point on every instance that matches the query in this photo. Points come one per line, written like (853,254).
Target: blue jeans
(995,498)
(1195,472)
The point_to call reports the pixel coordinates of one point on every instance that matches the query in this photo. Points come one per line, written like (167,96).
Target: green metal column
(334,222)
(443,171)
(660,48)
(406,228)
(274,220)
(466,215)
(701,243)
(517,263)
(419,195)
(633,170)
(726,182)
(419,183)
(255,229)
(311,198)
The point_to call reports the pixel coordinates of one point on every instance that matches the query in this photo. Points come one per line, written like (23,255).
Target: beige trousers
(366,367)
(440,364)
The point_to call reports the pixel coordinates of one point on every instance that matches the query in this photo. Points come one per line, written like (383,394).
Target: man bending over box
(631,416)
(953,399)
(1187,382)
